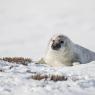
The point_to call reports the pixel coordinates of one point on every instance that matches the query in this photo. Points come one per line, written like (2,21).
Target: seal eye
(62,42)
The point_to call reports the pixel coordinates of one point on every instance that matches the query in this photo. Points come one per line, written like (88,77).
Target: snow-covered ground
(16,80)
(27,25)
(25,28)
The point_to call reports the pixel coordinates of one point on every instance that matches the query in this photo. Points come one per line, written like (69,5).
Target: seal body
(62,51)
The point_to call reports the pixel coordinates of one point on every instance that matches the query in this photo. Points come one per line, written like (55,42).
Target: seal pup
(62,51)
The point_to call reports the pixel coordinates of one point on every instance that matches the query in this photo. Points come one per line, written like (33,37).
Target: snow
(27,25)
(17,80)
(25,28)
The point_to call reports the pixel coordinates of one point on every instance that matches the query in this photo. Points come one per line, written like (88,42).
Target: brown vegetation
(18,60)
(49,77)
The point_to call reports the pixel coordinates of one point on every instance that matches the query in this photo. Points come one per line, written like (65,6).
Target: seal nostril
(56,46)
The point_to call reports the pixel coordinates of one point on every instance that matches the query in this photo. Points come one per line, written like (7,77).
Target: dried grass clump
(18,60)
(39,77)
(58,78)
(49,77)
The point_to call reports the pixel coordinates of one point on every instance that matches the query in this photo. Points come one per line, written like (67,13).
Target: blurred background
(27,25)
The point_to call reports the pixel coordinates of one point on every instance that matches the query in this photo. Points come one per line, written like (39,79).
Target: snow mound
(15,79)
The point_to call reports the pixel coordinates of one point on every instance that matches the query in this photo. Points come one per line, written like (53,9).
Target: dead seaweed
(18,60)
(49,77)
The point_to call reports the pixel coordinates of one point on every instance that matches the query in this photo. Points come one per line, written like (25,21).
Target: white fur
(68,54)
